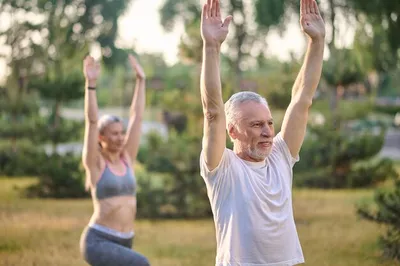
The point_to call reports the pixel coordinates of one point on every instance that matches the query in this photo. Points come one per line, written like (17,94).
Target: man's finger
(312,7)
(204,12)
(302,7)
(218,13)
(209,8)
(227,21)
(308,6)
(214,8)
(316,8)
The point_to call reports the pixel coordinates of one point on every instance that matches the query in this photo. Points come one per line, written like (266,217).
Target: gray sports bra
(112,184)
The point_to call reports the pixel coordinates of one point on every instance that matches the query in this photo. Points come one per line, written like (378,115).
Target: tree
(342,159)
(49,39)
(383,17)
(45,43)
(343,69)
(242,39)
(176,160)
(387,213)
(380,41)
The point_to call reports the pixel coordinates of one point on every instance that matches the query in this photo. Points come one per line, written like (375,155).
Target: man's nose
(266,132)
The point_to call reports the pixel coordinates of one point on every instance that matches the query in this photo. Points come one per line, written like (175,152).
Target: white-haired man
(250,187)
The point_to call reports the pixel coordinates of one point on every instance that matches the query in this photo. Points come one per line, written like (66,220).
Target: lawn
(46,232)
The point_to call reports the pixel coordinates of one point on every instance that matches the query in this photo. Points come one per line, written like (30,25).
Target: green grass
(47,232)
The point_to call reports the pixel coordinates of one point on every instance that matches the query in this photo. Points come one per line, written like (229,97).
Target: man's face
(254,131)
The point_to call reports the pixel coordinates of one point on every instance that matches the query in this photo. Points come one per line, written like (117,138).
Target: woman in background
(108,157)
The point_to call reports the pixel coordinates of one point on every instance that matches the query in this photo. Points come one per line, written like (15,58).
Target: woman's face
(112,137)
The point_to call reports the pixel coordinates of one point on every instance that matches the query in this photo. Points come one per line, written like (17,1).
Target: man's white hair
(232,109)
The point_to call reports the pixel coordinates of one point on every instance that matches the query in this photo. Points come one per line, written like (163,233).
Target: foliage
(277,84)
(342,159)
(47,41)
(383,17)
(60,88)
(22,159)
(348,110)
(386,212)
(59,177)
(343,68)
(21,128)
(270,13)
(179,190)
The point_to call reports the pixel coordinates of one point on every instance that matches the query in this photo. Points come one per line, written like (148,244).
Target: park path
(391,147)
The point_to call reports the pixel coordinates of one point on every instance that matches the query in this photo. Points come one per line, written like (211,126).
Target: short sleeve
(281,147)
(219,172)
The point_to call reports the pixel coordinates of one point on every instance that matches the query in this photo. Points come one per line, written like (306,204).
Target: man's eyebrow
(260,121)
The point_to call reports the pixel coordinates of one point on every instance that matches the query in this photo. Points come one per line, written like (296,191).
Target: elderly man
(249,187)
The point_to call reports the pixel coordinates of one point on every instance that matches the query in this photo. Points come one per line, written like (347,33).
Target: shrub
(331,159)
(59,177)
(21,159)
(387,213)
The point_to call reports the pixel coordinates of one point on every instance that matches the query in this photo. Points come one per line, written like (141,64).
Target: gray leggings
(102,249)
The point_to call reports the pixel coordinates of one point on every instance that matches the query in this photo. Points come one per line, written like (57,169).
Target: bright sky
(141,26)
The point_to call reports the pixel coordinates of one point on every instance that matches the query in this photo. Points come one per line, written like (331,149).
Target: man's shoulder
(228,153)
(228,161)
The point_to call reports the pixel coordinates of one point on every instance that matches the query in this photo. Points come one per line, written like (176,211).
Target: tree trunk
(331,44)
(14,137)
(337,94)
(240,38)
(340,173)
(57,108)
(56,124)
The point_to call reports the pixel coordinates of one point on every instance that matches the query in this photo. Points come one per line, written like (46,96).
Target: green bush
(175,188)
(59,177)
(334,159)
(371,174)
(387,212)
(316,178)
(387,109)
(21,159)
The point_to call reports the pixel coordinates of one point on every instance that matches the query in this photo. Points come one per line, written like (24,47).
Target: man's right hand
(213,30)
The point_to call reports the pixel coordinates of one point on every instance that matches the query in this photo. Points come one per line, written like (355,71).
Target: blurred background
(346,186)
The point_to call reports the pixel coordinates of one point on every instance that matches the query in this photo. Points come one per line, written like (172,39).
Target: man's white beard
(258,154)
(254,153)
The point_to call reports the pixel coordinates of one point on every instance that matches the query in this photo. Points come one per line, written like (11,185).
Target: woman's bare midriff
(117,213)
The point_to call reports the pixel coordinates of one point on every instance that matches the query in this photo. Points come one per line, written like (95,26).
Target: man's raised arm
(213,32)
(295,121)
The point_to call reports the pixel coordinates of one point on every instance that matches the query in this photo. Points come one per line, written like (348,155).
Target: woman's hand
(91,70)
(137,68)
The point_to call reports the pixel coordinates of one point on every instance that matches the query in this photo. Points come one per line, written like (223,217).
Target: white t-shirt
(252,208)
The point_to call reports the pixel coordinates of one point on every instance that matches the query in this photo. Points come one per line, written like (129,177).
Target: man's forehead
(254,111)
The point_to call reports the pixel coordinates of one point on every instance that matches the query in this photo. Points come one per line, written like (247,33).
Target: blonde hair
(106,120)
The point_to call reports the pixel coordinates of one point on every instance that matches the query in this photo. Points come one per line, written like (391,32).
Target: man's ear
(232,131)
